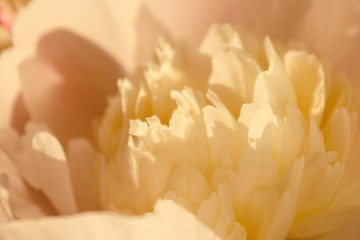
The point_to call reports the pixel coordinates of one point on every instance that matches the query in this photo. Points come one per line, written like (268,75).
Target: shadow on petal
(66,85)
(20,115)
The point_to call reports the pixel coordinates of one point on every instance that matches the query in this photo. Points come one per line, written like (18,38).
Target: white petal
(169,221)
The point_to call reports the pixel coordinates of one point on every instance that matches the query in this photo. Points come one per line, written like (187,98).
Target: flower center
(264,149)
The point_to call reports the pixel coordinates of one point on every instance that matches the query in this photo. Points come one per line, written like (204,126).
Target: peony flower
(180,124)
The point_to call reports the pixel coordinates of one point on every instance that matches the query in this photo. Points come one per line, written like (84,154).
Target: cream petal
(308,77)
(293,137)
(220,37)
(286,208)
(233,77)
(337,133)
(274,88)
(169,221)
(194,188)
(326,221)
(315,141)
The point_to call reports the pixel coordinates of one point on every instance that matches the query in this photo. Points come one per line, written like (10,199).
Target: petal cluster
(258,139)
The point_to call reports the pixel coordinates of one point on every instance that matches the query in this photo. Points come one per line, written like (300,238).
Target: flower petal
(169,221)
(20,199)
(71,65)
(68,77)
(42,167)
(81,158)
(340,42)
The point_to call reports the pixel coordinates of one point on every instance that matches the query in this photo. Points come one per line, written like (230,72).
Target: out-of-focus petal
(11,88)
(81,159)
(332,28)
(190,20)
(40,160)
(79,59)
(69,77)
(88,19)
(350,230)
(169,221)
(23,201)
(5,211)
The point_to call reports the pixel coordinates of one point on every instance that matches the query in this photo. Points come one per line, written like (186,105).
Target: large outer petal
(192,19)
(168,222)
(68,55)
(332,28)
(66,85)
(9,86)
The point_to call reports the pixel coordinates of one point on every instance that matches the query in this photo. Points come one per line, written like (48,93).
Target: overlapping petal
(168,221)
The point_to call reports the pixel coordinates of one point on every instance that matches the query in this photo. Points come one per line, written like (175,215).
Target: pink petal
(5,210)
(190,20)
(332,28)
(22,200)
(66,85)
(42,167)
(68,64)
(81,159)
(10,89)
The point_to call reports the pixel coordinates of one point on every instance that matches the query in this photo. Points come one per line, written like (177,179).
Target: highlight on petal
(168,221)
(39,168)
